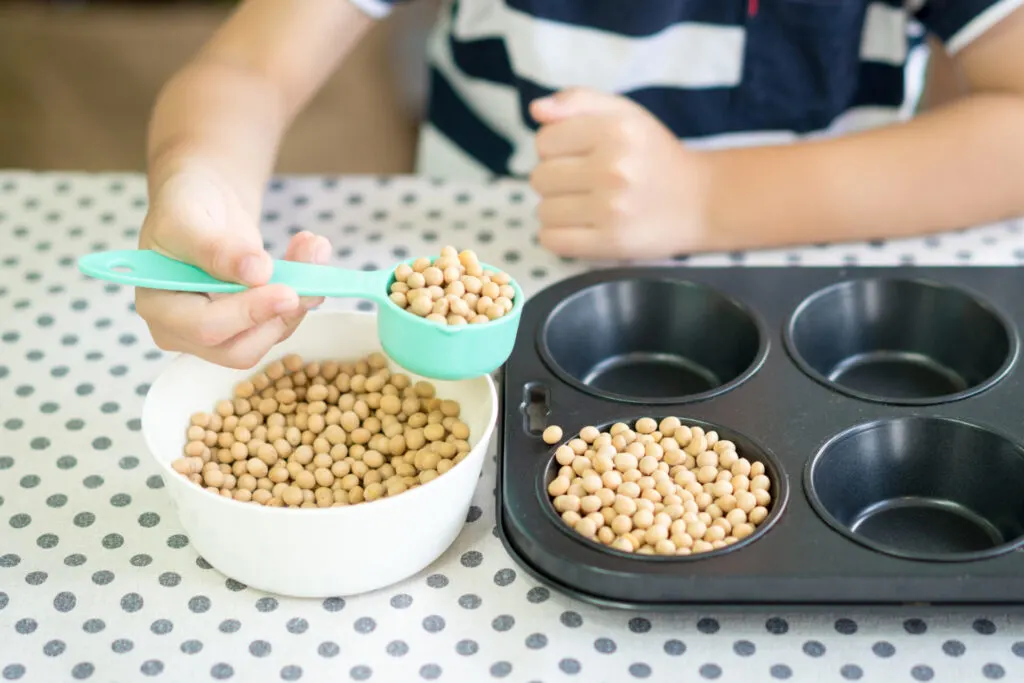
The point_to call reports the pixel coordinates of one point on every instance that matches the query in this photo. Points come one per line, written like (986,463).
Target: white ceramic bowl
(315,552)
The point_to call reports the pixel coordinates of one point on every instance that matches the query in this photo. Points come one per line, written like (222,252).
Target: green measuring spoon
(419,345)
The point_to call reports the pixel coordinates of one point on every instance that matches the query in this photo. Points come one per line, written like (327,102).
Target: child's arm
(607,165)
(213,139)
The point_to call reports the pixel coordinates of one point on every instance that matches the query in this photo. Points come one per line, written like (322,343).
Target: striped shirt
(718,73)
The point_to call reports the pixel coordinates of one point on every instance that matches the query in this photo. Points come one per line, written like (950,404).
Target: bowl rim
(149,408)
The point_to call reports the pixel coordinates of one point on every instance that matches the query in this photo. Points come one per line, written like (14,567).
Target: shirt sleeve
(957,23)
(378,9)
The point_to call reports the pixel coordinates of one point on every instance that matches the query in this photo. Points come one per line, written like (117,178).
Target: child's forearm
(961,165)
(226,111)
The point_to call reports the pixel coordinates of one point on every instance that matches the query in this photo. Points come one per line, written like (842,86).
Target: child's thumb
(566,104)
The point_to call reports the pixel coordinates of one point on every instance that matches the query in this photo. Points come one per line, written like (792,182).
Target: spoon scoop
(424,347)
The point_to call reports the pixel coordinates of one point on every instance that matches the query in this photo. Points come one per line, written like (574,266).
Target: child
(609,87)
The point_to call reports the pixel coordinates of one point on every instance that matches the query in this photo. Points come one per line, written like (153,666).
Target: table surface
(98,582)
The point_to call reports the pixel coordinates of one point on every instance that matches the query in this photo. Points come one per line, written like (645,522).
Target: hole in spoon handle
(151,270)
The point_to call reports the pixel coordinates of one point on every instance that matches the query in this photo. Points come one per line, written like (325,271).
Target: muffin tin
(885,404)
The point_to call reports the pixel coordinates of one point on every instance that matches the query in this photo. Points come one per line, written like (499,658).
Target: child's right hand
(196,217)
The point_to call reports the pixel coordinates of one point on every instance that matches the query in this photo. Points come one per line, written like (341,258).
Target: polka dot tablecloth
(98,582)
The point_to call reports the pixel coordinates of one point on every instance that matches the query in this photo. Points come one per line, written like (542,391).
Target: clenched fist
(614,182)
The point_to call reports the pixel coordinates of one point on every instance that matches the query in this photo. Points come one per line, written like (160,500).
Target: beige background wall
(76,87)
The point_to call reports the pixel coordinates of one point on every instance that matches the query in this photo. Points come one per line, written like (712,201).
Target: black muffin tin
(887,405)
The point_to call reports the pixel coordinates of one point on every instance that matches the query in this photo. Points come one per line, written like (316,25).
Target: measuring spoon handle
(151,270)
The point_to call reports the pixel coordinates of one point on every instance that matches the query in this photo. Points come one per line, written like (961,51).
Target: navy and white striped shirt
(716,72)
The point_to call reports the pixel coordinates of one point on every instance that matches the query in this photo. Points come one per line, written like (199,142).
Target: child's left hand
(614,182)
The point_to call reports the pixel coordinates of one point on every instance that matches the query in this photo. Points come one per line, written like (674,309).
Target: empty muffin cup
(903,342)
(653,341)
(923,488)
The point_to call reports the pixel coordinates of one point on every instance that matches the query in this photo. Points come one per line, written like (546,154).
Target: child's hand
(197,218)
(613,181)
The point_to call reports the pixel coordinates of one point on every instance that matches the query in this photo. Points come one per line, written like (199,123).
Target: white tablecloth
(97,581)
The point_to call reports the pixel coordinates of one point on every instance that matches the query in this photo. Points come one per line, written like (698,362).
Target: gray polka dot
(48,541)
(847,627)
(169,579)
(93,626)
(291,673)
(984,627)
(122,645)
(128,462)
(6,462)
(230,626)
(397,648)
(297,625)
(141,560)
(54,648)
(437,580)
(471,559)
(266,604)
(132,602)
(75,560)
(915,626)
(639,625)
(954,648)
(148,520)
(222,671)
(155,482)
(640,670)
(328,649)
(93,481)
(191,647)
(401,601)
(14,424)
(504,622)
(64,601)
(120,500)
(84,519)
(199,604)
(84,389)
(571,619)
(536,641)
(234,586)
(360,673)
(134,424)
(710,671)
(259,648)
(109,407)
(13,672)
(538,594)
(26,626)
(36,578)
(103,577)
(113,541)
(335,604)
(605,646)
(776,626)
(57,500)
(4,600)
(922,672)
(365,625)
(161,627)
(501,669)
(851,672)
(66,462)
(433,624)
(467,647)
(993,671)
(470,601)
(569,666)
(883,649)
(177,541)
(430,672)
(20,520)
(9,560)
(504,577)
(781,672)
(152,667)
(813,648)
(82,671)
(708,626)
(474,514)
(30,481)
(24,391)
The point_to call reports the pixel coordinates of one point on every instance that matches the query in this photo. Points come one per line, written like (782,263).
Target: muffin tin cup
(922,488)
(652,341)
(890,396)
(901,341)
(745,447)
